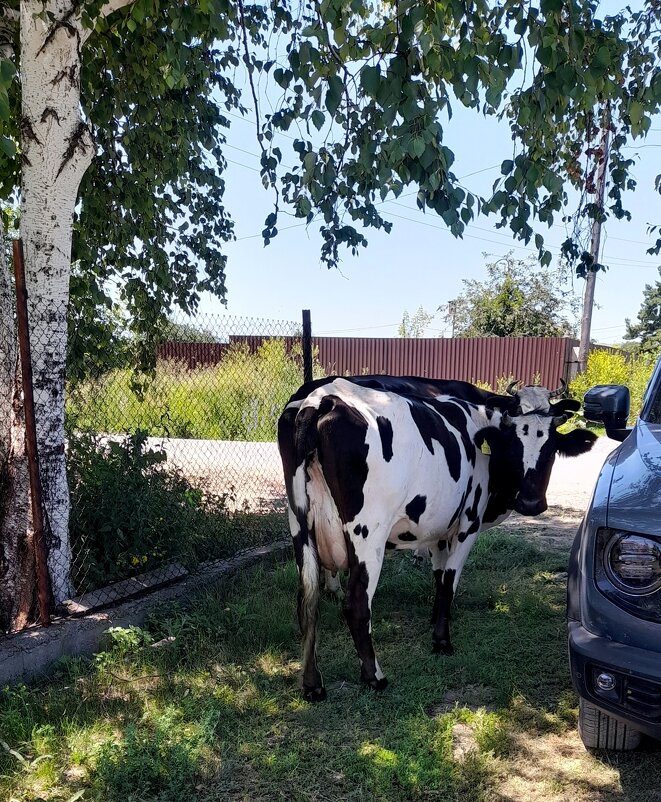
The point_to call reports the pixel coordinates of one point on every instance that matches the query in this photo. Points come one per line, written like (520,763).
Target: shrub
(129,515)
(607,367)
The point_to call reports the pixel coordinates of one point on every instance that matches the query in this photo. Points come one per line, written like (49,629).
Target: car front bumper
(636,697)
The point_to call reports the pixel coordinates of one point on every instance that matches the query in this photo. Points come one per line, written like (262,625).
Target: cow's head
(523,446)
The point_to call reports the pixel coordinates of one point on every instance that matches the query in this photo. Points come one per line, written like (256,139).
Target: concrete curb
(31,652)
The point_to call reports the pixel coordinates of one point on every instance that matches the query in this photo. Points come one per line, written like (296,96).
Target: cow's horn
(560,390)
(511,386)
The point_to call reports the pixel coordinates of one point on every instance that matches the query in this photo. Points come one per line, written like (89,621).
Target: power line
(363,328)
(614,260)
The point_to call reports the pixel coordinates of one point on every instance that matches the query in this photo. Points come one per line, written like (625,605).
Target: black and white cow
(371,468)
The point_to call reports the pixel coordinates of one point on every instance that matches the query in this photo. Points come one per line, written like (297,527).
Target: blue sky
(420,263)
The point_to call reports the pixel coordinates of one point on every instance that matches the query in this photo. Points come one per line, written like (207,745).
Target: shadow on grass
(216,713)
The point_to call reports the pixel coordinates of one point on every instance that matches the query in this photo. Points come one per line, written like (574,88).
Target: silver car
(614,585)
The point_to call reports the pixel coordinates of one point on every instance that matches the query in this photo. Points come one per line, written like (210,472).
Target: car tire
(598,730)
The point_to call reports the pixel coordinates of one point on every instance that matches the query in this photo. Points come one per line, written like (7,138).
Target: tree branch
(113,5)
(9,21)
(106,10)
(11,15)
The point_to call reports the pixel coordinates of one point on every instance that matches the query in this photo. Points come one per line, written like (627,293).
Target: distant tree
(414,326)
(648,328)
(170,331)
(518,299)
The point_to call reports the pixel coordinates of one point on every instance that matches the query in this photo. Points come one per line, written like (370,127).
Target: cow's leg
(308,608)
(365,561)
(448,559)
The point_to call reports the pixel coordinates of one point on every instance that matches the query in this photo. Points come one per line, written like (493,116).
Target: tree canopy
(415,325)
(365,92)
(648,328)
(516,300)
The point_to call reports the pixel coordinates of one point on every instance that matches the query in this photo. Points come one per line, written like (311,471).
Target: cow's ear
(574,443)
(505,403)
(565,405)
(488,440)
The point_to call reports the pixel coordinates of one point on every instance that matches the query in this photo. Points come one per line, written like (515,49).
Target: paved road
(252,472)
(573,479)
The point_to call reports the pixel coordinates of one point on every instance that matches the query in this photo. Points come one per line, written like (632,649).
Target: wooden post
(40,556)
(307,346)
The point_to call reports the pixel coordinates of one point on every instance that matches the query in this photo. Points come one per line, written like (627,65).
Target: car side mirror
(609,404)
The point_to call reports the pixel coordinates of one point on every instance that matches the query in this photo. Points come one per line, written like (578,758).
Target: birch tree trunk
(57,149)
(17,574)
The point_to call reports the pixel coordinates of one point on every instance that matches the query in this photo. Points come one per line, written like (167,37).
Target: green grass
(215,714)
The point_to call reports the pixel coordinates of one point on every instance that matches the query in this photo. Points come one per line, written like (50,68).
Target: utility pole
(595,242)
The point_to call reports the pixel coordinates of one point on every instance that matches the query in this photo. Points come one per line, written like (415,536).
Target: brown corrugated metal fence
(479,359)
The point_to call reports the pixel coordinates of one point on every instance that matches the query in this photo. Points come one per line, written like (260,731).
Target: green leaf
(370,79)
(550,6)
(636,112)
(318,118)
(7,146)
(602,57)
(506,167)
(7,71)
(334,93)
(418,146)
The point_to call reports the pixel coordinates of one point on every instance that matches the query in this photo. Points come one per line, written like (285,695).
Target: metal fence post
(307,346)
(40,558)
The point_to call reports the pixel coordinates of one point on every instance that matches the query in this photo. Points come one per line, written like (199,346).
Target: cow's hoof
(442,647)
(314,694)
(377,684)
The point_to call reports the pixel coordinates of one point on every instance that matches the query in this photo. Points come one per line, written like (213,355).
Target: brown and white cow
(376,463)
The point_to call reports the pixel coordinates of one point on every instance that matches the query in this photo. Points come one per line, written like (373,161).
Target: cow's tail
(297,439)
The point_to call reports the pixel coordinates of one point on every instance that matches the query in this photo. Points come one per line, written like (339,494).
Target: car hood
(635,493)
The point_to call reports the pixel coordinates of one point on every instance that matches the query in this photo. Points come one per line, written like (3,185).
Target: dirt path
(251,475)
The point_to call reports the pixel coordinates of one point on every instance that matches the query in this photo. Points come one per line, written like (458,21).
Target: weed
(129,515)
(240,398)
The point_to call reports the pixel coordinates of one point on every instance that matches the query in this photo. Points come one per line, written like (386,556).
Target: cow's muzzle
(526,506)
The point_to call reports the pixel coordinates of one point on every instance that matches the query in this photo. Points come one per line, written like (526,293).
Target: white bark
(57,149)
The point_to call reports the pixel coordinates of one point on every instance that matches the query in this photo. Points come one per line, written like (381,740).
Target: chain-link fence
(178,465)
(170,455)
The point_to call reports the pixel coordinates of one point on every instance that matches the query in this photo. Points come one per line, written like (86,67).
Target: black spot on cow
(364,531)
(460,506)
(385,432)
(407,537)
(356,529)
(357,614)
(416,507)
(525,428)
(432,427)
(342,452)
(390,545)
(473,528)
(442,545)
(457,413)
(471,512)
(360,530)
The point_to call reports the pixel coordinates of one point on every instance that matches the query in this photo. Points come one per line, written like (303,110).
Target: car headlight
(633,563)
